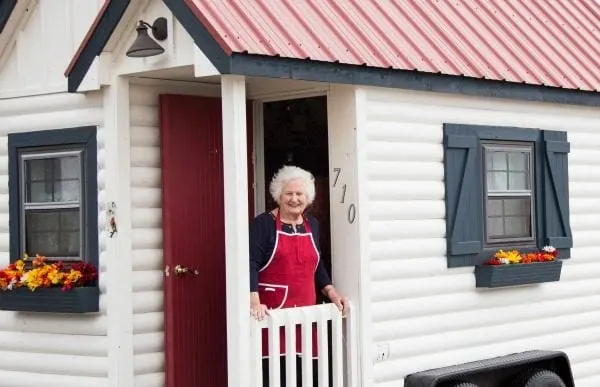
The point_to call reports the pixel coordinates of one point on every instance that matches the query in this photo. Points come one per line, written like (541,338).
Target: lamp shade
(144,45)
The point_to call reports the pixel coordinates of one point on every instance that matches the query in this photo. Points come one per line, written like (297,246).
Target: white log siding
(432,316)
(146,241)
(60,350)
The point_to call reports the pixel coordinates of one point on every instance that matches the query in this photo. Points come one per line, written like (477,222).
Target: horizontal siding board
(32,379)
(412,290)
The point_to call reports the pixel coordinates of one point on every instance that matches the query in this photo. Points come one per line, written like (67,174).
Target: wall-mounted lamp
(144,45)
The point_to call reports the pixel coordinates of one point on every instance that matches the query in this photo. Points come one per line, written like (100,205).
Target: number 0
(351,213)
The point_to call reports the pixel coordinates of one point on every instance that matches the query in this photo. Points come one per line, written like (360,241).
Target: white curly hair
(288,173)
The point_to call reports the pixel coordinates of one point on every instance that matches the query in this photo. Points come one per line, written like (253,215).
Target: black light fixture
(144,45)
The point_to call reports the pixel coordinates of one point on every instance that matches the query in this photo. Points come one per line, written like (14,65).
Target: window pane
(53,179)
(518,181)
(517,206)
(39,192)
(516,226)
(70,167)
(66,191)
(497,181)
(495,227)
(496,161)
(494,207)
(53,233)
(509,218)
(518,161)
(38,169)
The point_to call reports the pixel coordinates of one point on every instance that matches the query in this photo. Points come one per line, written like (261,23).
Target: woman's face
(293,198)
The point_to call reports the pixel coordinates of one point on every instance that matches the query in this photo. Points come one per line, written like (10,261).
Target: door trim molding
(258,156)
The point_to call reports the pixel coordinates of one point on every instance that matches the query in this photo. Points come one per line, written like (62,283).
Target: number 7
(337,172)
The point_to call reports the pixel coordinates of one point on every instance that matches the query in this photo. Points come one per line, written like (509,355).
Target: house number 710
(351,214)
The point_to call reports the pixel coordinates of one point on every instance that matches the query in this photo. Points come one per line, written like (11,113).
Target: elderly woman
(284,254)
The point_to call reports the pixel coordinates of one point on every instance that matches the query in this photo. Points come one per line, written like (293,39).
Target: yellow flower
(512,256)
(55,276)
(20,265)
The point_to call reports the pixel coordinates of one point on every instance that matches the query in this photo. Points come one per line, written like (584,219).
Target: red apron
(288,279)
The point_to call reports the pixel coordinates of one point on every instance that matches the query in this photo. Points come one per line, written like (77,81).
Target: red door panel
(193,236)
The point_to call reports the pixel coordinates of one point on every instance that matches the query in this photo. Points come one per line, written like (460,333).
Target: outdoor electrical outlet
(383,352)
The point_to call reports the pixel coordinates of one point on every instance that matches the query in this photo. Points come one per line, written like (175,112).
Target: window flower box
(83,299)
(55,287)
(513,268)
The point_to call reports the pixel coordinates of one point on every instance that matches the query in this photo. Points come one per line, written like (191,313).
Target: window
(505,188)
(51,203)
(53,194)
(509,199)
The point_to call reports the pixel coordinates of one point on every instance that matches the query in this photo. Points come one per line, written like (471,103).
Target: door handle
(180,270)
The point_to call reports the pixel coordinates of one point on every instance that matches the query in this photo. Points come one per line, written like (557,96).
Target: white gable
(180,51)
(38,50)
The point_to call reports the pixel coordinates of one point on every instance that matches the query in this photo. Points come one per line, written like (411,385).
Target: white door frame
(258,141)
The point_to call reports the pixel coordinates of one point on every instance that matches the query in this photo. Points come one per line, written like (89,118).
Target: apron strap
(279,225)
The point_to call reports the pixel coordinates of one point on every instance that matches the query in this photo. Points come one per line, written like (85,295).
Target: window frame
(56,141)
(463,187)
(508,146)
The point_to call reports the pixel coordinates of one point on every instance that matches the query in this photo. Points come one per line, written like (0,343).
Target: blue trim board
(309,70)
(106,25)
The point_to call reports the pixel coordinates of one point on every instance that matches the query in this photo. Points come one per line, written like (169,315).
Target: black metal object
(144,45)
(496,372)
(495,276)
(51,300)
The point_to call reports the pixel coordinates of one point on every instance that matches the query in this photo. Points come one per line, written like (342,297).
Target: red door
(193,237)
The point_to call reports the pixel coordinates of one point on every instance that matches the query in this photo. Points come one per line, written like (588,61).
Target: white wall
(40,49)
(431,316)
(52,349)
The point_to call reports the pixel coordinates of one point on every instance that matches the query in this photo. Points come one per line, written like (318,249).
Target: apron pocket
(273,296)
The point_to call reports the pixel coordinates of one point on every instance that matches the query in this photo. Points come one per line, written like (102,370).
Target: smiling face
(293,200)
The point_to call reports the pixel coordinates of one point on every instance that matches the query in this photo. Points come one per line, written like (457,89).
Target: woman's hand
(257,310)
(336,298)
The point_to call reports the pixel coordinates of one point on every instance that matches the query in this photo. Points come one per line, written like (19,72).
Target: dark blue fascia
(309,70)
(106,25)
(6,8)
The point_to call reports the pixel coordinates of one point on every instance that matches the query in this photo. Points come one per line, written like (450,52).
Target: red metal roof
(543,42)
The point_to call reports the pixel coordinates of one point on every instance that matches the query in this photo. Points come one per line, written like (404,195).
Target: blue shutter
(556,192)
(463,184)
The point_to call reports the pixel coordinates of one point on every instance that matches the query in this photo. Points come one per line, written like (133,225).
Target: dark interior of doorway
(295,133)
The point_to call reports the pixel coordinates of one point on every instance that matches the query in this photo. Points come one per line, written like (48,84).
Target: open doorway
(295,133)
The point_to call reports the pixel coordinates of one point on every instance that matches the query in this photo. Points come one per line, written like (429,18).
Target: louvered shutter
(463,184)
(556,192)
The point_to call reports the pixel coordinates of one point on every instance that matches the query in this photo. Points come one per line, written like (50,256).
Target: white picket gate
(343,356)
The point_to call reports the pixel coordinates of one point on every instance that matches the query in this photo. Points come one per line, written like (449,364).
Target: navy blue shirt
(262,241)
